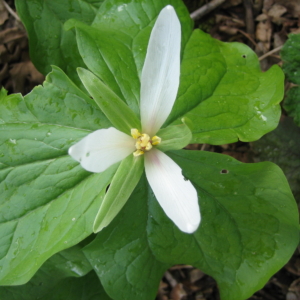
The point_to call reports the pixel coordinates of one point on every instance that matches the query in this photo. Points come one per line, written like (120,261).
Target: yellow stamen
(148,146)
(135,133)
(138,145)
(138,152)
(156,140)
(143,142)
(145,139)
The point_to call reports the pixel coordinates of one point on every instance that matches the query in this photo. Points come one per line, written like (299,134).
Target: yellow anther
(135,133)
(145,138)
(138,152)
(156,140)
(143,142)
(138,144)
(148,146)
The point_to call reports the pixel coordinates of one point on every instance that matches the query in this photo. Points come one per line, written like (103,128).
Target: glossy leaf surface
(224,93)
(48,202)
(65,275)
(49,44)
(249,230)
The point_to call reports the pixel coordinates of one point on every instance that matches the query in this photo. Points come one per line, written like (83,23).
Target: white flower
(159,85)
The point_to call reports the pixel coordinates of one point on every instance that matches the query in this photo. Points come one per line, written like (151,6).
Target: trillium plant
(105,147)
(98,195)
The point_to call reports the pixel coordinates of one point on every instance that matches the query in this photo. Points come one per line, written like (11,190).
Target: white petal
(102,148)
(160,74)
(177,196)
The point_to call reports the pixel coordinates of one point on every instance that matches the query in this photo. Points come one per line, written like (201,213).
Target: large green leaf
(249,230)
(224,93)
(49,44)
(48,202)
(58,279)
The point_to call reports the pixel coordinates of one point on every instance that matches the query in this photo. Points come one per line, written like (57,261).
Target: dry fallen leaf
(195,275)
(3,13)
(11,34)
(264,31)
(178,292)
(23,73)
(276,12)
(294,290)
(293,6)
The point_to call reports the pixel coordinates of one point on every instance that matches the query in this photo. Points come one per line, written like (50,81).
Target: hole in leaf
(224,171)
(244,56)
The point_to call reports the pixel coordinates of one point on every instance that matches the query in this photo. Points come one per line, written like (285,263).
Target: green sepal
(174,137)
(119,114)
(71,24)
(121,187)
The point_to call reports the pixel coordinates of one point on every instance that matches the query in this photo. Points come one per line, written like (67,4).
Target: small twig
(249,16)
(205,9)
(270,53)
(10,10)
(203,147)
(248,36)
(170,279)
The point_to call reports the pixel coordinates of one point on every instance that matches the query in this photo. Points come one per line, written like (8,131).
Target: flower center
(143,142)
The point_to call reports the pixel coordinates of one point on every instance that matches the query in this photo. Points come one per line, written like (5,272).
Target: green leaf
(119,114)
(48,202)
(174,137)
(48,43)
(282,147)
(67,263)
(66,275)
(121,255)
(292,104)
(291,67)
(249,230)
(291,58)
(120,189)
(224,93)
(114,46)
